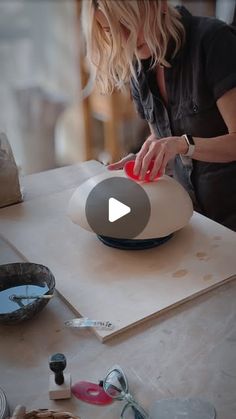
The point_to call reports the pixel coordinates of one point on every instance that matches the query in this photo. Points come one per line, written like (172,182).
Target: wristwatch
(191,145)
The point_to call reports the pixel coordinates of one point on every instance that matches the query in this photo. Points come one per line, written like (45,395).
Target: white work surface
(124,287)
(189,351)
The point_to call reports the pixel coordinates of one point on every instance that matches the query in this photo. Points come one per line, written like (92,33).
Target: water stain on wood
(214,246)
(180,273)
(202,256)
(207,277)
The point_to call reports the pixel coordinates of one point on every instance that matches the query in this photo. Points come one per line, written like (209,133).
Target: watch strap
(191,145)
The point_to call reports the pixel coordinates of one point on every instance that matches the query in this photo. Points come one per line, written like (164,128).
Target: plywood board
(125,287)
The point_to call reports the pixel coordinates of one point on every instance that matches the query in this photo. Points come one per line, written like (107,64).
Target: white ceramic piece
(171,206)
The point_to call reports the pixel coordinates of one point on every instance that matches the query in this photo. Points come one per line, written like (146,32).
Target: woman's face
(142,47)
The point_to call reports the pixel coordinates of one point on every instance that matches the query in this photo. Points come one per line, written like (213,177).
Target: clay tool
(31,297)
(129,170)
(85,322)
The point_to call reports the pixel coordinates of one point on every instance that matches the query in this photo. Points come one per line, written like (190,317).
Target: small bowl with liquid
(25,289)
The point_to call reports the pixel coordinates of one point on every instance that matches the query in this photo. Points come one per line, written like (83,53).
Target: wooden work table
(188,352)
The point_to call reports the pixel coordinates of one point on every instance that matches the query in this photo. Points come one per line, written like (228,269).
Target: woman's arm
(220,149)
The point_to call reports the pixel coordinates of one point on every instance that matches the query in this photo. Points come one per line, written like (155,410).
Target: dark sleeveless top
(201,72)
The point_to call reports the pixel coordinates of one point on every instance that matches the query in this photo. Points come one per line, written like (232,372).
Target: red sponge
(129,170)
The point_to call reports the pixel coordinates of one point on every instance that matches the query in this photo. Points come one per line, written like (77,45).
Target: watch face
(191,145)
(190,139)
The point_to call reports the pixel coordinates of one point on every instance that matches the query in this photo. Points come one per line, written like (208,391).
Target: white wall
(225,10)
(39,49)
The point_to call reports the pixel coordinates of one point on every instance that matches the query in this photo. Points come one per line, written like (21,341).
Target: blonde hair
(114,65)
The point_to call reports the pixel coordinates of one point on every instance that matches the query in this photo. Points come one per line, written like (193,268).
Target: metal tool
(85,322)
(30,297)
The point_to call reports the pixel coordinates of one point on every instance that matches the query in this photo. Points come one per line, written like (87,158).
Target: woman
(182,73)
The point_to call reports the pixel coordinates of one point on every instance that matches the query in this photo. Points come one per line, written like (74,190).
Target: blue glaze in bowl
(19,278)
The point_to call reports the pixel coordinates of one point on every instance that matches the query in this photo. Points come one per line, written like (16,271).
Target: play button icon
(117,207)
(117,210)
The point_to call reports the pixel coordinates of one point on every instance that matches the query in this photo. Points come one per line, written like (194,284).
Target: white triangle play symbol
(117,209)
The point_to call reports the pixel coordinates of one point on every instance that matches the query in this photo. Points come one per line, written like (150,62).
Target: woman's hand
(161,151)
(120,164)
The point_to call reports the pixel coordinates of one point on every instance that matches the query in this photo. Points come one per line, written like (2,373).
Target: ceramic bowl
(27,279)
